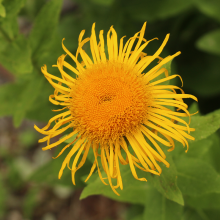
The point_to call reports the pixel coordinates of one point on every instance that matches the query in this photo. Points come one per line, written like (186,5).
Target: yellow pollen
(109,101)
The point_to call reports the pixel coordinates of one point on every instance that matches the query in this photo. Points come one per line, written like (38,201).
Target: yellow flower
(113,106)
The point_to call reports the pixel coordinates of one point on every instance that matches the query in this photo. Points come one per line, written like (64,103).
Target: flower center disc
(108,101)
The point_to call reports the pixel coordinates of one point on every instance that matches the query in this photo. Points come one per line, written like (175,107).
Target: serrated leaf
(166,183)
(205,125)
(210,42)
(196,177)
(27,98)
(157,207)
(17,57)
(44,27)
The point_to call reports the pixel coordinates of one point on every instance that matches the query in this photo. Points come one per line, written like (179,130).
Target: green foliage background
(190,188)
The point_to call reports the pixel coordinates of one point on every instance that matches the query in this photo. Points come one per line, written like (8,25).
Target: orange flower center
(109,101)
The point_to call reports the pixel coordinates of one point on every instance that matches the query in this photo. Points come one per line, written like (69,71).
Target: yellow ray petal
(70,154)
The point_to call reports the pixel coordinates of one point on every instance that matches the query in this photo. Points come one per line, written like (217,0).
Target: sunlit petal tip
(60,174)
(43,148)
(93,28)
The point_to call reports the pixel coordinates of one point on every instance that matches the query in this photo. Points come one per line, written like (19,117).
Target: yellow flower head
(112,105)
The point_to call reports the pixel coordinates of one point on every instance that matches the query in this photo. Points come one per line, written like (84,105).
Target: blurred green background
(30,36)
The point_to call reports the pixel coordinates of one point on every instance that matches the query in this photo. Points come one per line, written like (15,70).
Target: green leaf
(12,7)
(209,7)
(201,75)
(27,98)
(139,217)
(42,108)
(48,173)
(134,191)
(196,177)
(152,10)
(9,94)
(166,183)
(199,149)
(2,10)
(194,108)
(205,125)
(44,27)
(28,137)
(70,34)
(210,42)
(214,152)
(207,150)
(135,212)
(157,207)
(9,29)
(9,24)
(168,67)
(192,214)
(212,214)
(17,57)
(209,201)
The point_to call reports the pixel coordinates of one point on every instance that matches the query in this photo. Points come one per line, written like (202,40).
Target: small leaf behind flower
(205,125)
(210,42)
(166,183)
(16,57)
(157,207)
(27,98)
(135,191)
(44,26)
(196,177)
